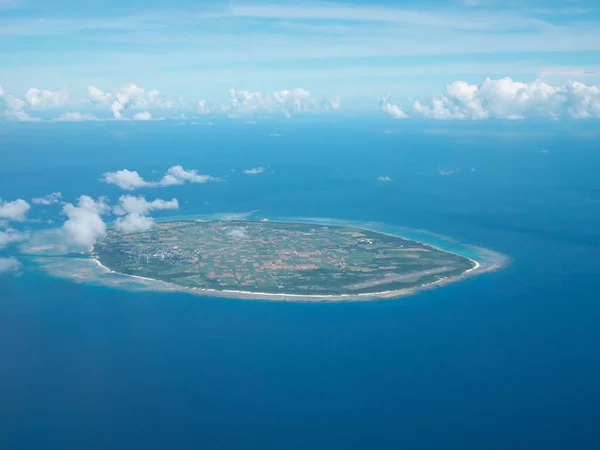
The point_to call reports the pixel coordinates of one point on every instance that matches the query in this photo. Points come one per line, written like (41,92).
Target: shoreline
(162,285)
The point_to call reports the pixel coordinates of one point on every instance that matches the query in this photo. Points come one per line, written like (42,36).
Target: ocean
(506,360)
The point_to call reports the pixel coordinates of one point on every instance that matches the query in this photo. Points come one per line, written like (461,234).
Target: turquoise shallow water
(503,360)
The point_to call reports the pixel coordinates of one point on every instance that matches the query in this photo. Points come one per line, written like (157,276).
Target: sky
(403,59)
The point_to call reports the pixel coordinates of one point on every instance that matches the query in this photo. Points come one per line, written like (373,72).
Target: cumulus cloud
(49,199)
(41,98)
(141,103)
(584,100)
(134,223)
(237,233)
(13,107)
(15,211)
(175,175)
(129,204)
(178,175)
(142,116)
(125,179)
(9,265)
(85,225)
(254,171)
(97,97)
(391,109)
(128,97)
(383,178)
(286,102)
(135,210)
(10,236)
(508,99)
(202,107)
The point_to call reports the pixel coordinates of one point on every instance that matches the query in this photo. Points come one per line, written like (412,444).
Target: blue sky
(354,50)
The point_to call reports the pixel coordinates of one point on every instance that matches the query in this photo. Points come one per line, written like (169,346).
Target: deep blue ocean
(507,360)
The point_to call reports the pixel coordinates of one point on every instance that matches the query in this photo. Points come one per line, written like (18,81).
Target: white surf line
(388,293)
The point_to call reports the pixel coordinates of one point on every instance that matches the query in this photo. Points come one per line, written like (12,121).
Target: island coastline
(161,285)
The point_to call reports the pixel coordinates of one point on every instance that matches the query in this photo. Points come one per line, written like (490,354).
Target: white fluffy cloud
(49,199)
(15,108)
(508,99)
(584,100)
(85,225)
(97,97)
(125,179)
(10,236)
(238,233)
(9,265)
(202,107)
(178,175)
(15,211)
(383,178)
(135,210)
(142,104)
(130,180)
(41,98)
(142,116)
(128,97)
(254,171)
(286,102)
(129,204)
(134,223)
(392,110)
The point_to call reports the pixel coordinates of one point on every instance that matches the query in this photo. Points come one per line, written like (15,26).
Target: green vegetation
(277,257)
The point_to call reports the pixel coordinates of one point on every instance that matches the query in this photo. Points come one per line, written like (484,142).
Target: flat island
(279,260)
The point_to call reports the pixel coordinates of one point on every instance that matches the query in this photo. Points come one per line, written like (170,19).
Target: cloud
(125,179)
(13,107)
(384,178)
(202,107)
(142,116)
(75,117)
(39,98)
(49,199)
(507,99)
(97,97)
(238,233)
(175,175)
(130,96)
(129,204)
(178,175)
(446,172)
(286,102)
(10,236)
(136,209)
(336,103)
(391,109)
(15,211)
(134,223)
(584,101)
(9,265)
(85,225)
(254,171)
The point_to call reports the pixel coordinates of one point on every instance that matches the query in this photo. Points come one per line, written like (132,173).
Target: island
(279,260)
